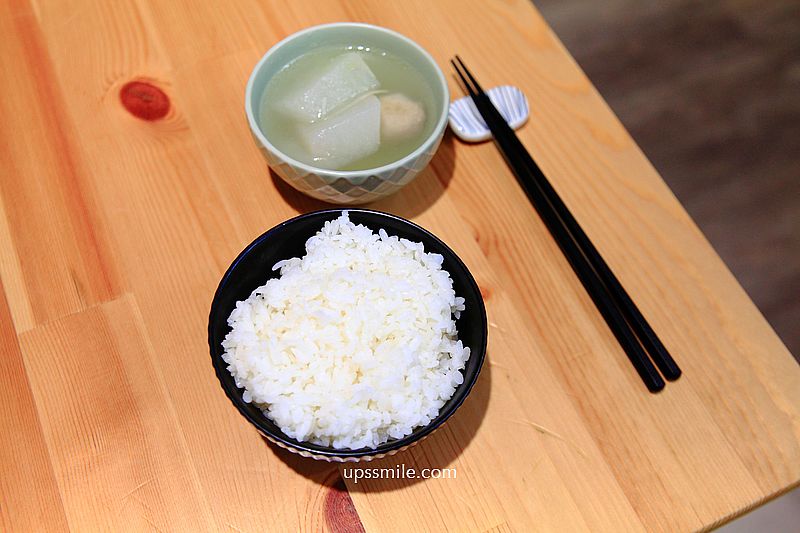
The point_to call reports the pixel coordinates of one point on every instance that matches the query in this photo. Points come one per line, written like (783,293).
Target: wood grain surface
(119,215)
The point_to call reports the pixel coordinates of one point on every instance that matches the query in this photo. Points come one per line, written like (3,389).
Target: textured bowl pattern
(343,459)
(349,191)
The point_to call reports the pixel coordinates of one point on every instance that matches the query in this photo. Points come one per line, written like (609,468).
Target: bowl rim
(326,451)
(438,129)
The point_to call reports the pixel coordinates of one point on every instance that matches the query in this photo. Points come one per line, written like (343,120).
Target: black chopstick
(621,314)
(658,352)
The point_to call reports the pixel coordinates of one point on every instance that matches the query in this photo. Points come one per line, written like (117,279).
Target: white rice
(354,344)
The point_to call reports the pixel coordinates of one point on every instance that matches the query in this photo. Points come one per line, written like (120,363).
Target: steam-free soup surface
(347,108)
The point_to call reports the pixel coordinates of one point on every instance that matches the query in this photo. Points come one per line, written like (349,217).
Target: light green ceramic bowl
(356,186)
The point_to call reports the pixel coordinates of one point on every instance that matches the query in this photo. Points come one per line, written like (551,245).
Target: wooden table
(114,231)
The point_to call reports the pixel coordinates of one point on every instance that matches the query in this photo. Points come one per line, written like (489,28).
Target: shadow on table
(412,200)
(438,450)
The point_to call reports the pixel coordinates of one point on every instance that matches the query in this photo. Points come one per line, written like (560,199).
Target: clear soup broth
(321,108)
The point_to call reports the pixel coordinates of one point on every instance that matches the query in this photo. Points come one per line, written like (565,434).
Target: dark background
(710,90)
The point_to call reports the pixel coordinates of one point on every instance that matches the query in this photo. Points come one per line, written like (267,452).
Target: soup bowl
(351,186)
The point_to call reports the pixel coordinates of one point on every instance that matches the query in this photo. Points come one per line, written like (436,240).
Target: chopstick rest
(468,124)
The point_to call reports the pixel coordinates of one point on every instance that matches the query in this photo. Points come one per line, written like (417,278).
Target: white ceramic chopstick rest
(467,123)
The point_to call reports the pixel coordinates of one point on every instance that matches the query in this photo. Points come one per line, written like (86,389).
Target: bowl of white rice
(347,335)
